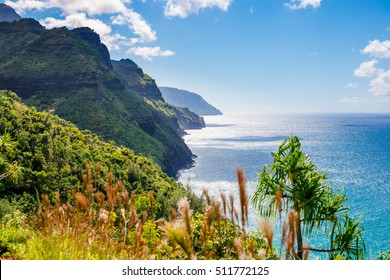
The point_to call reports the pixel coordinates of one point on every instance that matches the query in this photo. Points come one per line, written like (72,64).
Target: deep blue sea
(353,149)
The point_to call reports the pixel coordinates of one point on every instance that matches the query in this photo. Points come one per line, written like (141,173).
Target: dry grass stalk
(185,215)
(241,254)
(266,227)
(207,222)
(173,214)
(180,230)
(205,193)
(290,239)
(216,206)
(279,200)
(224,204)
(244,198)
(251,247)
(231,207)
(284,237)
(81,201)
(237,246)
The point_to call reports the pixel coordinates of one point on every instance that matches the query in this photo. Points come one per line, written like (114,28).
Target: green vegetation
(188,119)
(122,206)
(70,72)
(136,80)
(293,185)
(121,209)
(384,256)
(183,116)
(41,153)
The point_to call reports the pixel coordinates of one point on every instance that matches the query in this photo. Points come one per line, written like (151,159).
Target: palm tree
(293,185)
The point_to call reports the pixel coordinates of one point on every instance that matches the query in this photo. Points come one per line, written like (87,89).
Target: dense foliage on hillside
(43,154)
(70,71)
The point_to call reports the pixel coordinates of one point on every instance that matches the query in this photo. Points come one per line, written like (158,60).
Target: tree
(7,169)
(293,186)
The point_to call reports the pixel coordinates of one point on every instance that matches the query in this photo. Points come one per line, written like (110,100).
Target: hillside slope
(136,80)
(43,154)
(70,72)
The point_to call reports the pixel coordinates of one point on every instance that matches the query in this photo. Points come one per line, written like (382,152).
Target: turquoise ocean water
(354,150)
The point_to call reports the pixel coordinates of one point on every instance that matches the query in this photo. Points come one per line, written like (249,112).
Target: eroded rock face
(137,80)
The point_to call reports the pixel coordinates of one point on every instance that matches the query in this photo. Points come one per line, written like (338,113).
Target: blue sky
(246,56)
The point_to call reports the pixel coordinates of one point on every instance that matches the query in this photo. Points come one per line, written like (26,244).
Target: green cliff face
(136,80)
(70,71)
(188,119)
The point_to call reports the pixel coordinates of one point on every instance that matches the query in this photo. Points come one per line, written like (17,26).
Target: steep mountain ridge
(70,71)
(190,100)
(136,80)
(7,13)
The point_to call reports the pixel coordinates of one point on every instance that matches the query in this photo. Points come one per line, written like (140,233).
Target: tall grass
(111,223)
(115,224)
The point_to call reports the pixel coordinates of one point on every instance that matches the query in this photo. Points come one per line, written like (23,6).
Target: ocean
(353,150)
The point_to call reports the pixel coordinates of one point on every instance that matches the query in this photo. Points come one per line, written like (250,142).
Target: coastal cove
(353,150)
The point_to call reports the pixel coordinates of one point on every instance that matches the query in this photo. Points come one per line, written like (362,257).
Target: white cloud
(351,85)
(377,48)
(183,8)
(367,69)
(148,53)
(379,78)
(114,41)
(137,24)
(303,4)
(380,86)
(252,10)
(91,7)
(78,20)
(23,5)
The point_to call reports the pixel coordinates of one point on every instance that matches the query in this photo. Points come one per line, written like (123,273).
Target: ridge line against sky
(246,56)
